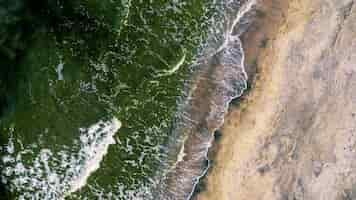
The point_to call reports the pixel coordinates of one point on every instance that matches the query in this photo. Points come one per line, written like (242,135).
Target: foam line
(219,77)
(245,9)
(96,152)
(59,70)
(53,175)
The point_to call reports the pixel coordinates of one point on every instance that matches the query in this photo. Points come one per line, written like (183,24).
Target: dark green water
(84,65)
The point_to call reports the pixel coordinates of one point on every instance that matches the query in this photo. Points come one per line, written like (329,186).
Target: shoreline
(292,135)
(257,41)
(256,44)
(219,78)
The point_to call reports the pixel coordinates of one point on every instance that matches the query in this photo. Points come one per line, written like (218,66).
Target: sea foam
(219,76)
(55,175)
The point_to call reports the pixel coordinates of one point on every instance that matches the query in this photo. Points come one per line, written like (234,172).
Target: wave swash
(218,78)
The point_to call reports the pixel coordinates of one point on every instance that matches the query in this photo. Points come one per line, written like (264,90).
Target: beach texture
(293,135)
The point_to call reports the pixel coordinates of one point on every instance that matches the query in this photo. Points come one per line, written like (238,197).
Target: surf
(218,78)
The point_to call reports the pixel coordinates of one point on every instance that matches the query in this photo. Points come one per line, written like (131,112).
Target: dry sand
(293,136)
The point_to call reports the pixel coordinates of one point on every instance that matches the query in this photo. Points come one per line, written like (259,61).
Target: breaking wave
(54,175)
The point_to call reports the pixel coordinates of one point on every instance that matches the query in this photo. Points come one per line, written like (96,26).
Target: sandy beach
(293,135)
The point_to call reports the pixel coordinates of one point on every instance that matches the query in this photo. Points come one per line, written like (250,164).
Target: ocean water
(120,100)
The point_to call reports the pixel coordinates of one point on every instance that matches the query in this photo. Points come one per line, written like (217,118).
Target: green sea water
(92,65)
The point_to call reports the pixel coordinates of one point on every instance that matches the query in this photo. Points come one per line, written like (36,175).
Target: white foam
(181,154)
(59,70)
(95,151)
(175,68)
(242,12)
(228,48)
(246,8)
(54,175)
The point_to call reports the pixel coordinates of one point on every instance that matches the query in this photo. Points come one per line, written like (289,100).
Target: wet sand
(293,135)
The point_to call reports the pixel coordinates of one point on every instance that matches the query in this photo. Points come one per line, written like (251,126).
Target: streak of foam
(59,70)
(54,175)
(243,11)
(181,154)
(219,78)
(174,68)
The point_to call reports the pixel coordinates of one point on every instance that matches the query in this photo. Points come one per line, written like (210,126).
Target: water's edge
(219,78)
(199,179)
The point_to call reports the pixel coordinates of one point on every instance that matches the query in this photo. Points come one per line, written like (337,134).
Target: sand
(293,136)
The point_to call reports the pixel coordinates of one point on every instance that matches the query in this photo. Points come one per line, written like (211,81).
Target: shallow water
(124,108)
